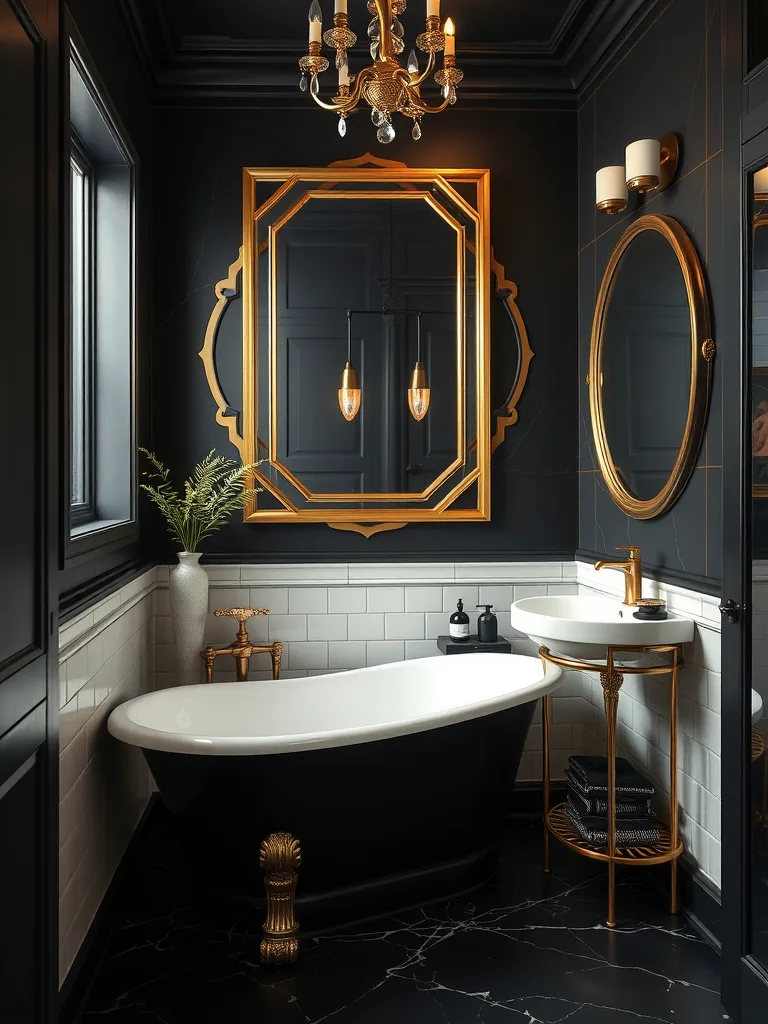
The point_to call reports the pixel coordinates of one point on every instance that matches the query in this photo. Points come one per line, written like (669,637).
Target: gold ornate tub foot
(279,857)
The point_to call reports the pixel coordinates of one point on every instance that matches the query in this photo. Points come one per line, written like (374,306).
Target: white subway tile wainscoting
(345,616)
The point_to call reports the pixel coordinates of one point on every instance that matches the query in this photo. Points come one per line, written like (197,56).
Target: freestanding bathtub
(396,779)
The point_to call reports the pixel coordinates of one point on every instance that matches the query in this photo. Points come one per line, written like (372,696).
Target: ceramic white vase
(189,606)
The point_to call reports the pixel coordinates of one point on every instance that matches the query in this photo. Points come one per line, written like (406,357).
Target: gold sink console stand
(242,649)
(557,822)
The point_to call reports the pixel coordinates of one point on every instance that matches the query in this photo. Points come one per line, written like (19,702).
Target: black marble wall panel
(532,155)
(668,79)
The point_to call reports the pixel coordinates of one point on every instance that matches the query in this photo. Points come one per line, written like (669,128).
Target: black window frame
(83,512)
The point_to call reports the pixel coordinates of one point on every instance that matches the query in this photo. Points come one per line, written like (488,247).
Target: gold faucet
(633,573)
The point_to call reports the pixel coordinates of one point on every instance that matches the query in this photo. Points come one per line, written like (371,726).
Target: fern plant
(215,490)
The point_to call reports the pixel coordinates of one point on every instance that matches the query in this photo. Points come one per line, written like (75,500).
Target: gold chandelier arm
(425,108)
(351,101)
(427,72)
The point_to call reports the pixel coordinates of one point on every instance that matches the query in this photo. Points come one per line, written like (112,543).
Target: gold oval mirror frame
(702,356)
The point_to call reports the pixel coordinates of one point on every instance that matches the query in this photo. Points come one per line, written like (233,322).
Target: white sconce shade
(611,189)
(643,163)
(761,182)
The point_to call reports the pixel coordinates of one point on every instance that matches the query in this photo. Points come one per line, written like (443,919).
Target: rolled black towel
(629,831)
(597,806)
(591,772)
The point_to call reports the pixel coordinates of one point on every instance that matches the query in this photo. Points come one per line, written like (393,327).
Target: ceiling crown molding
(223,71)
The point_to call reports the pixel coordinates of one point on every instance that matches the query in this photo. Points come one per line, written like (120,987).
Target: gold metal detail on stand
(279,857)
(242,649)
(670,845)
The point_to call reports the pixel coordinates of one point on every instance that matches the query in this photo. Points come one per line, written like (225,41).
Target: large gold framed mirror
(366,292)
(650,366)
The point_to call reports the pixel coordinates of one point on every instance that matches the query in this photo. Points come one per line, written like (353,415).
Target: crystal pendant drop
(397,28)
(377,117)
(303,83)
(373,29)
(314,86)
(342,126)
(374,49)
(452,95)
(413,63)
(446,91)
(416,131)
(386,133)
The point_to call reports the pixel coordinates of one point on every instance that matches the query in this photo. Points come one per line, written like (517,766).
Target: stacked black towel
(587,804)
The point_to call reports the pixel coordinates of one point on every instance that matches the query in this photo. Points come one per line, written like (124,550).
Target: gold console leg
(611,682)
(277,657)
(279,857)
(545,704)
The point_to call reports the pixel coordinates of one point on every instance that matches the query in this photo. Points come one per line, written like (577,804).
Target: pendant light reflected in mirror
(349,393)
(419,392)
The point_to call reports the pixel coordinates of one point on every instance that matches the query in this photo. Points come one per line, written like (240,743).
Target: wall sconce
(611,193)
(350,394)
(419,392)
(650,166)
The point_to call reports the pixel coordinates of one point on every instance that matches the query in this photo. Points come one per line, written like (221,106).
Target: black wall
(199,156)
(669,78)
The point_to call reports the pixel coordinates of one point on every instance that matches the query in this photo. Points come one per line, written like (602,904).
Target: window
(102,323)
(81,385)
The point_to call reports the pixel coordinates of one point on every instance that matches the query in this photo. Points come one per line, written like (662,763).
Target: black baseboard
(74,993)
(699,902)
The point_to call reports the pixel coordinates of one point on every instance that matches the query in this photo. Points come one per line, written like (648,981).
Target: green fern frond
(216,489)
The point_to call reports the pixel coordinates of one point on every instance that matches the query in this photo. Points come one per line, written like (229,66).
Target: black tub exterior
(381,824)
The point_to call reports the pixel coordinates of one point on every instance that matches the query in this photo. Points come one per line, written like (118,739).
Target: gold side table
(557,822)
(242,649)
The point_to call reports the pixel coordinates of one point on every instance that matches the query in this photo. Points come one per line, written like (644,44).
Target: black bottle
(487,625)
(458,628)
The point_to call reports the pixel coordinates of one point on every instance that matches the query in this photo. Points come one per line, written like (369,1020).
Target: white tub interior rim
(332,710)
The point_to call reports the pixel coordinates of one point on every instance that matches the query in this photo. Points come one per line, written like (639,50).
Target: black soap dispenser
(458,627)
(487,625)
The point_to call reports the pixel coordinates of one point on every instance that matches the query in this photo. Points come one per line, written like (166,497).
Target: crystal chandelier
(385,85)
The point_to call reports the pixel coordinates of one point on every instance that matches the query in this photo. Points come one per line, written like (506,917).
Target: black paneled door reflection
(758,774)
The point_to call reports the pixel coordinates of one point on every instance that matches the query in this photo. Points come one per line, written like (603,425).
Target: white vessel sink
(582,627)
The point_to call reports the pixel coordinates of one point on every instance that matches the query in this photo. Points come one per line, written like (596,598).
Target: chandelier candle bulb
(450,38)
(433,8)
(340,7)
(315,23)
(611,193)
(643,164)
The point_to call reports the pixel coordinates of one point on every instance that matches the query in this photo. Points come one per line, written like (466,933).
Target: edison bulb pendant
(386,133)
(416,131)
(342,126)
(303,83)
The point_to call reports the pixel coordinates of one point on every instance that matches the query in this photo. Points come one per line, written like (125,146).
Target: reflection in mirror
(758,769)
(382,262)
(646,364)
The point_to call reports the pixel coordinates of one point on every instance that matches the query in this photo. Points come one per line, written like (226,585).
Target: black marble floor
(525,947)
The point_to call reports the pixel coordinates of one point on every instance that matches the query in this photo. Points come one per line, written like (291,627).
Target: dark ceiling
(226,51)
(523,22)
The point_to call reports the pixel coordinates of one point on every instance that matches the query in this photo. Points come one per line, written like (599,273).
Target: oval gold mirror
(650,366)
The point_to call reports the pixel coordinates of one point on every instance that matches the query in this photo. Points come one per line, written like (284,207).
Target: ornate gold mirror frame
(702,355)
(241,280)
